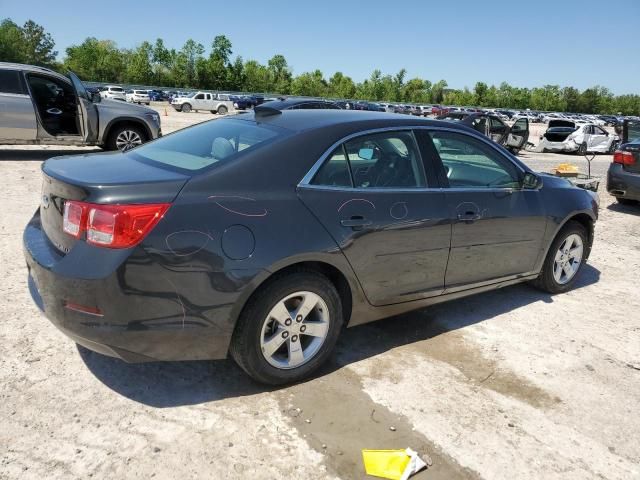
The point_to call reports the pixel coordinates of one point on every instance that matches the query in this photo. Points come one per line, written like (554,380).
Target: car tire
(186,108)
(222,110)
(128,135)
(257,330)
(572,235)
(626,201)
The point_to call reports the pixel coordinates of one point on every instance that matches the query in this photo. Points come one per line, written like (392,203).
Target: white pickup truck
(202,101)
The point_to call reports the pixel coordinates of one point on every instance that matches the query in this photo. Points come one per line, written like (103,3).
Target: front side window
(381,160)
(206,144)
(471,163)
(200,96)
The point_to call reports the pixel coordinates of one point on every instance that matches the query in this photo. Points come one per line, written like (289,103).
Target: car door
(86,110)
(372,196)
(497,226)
(598,140)
(518,134)
(199,102)
(497,130)
(17,115)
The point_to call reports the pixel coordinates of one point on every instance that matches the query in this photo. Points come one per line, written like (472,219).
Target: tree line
(194,66)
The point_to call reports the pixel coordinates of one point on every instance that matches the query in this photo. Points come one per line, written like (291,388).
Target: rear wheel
(564,259)
(125,137)
(186,108)
(222,110)
(289,329)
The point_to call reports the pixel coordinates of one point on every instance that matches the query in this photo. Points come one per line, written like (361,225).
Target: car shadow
(630,209)
(42,153)
(170,384)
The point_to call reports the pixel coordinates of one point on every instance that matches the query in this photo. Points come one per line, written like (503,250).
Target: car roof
(31,68)
(300,120)
(284,103)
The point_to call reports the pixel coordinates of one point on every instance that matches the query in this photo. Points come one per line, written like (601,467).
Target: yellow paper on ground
(389,464)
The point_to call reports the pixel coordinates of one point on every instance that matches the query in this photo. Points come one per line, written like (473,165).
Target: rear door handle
(469,216)
(356,221)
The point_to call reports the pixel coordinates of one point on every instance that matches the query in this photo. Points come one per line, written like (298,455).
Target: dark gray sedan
(264,234)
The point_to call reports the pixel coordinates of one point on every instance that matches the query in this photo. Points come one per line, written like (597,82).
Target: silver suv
(40,106)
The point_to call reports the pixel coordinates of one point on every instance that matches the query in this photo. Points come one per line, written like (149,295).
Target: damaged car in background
(513,138)
(570,136)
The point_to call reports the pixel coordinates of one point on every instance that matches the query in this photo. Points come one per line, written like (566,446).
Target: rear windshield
(143,92)
(206,144)
(116,89)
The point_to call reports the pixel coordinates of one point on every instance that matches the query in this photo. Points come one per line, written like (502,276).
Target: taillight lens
(74,218)
(623,158)
(113,226)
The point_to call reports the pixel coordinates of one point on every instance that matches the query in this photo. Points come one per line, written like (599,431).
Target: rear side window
(203,145)
(381,160)
(10,82)
(335,171)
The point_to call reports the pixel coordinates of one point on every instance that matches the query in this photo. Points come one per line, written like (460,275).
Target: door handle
(469,216)
(357,221)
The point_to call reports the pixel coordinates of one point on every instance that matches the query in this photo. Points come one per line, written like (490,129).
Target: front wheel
(125,137)
(289,329)
(186,108)
(564,259)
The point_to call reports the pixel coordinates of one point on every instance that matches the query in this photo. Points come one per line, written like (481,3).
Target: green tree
(139,66)
(29,44)
(341,86)
(279,74)
(10,41)
(310,84)
(437,91)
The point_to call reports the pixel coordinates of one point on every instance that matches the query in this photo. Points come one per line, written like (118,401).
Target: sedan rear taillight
(113,226)
(623,158)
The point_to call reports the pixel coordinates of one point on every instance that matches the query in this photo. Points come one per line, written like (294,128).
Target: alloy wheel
(568,259)
(128,139)
(294,330)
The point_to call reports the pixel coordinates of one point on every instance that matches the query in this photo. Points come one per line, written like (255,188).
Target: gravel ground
(512,383)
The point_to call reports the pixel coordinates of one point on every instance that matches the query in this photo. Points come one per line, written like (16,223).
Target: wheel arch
(120,121)
(584,218)
(347,290)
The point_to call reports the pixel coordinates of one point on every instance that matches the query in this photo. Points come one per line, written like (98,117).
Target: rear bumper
(623,184)
(568,146)
(144,316)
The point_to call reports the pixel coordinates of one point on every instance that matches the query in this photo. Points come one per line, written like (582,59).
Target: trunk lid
(558,134)
(112,178)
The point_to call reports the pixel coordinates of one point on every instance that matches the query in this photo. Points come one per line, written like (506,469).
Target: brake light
(113,226)
(623,158)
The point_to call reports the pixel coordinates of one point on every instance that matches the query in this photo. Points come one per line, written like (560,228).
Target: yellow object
(389,464)
(566,170)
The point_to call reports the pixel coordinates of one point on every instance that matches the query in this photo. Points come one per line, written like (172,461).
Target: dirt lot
(509,384)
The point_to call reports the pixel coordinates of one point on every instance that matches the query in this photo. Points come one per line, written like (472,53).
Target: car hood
(116,107)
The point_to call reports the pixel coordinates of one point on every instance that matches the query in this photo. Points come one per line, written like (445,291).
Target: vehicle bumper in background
(141,312)
(568,146)
(623,184)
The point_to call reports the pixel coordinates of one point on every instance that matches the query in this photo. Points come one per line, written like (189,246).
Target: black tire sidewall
(246,348)
(222,110)
(187,109)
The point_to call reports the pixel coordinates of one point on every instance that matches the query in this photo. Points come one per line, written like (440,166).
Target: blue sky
(579,42)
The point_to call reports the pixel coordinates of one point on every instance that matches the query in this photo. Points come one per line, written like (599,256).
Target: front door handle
(355,222)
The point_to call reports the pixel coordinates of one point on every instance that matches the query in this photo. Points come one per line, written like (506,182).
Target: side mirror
(531,181)
(365,153)
(95,97)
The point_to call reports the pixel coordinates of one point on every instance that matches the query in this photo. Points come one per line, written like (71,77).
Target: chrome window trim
(16,95)
(306,180)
